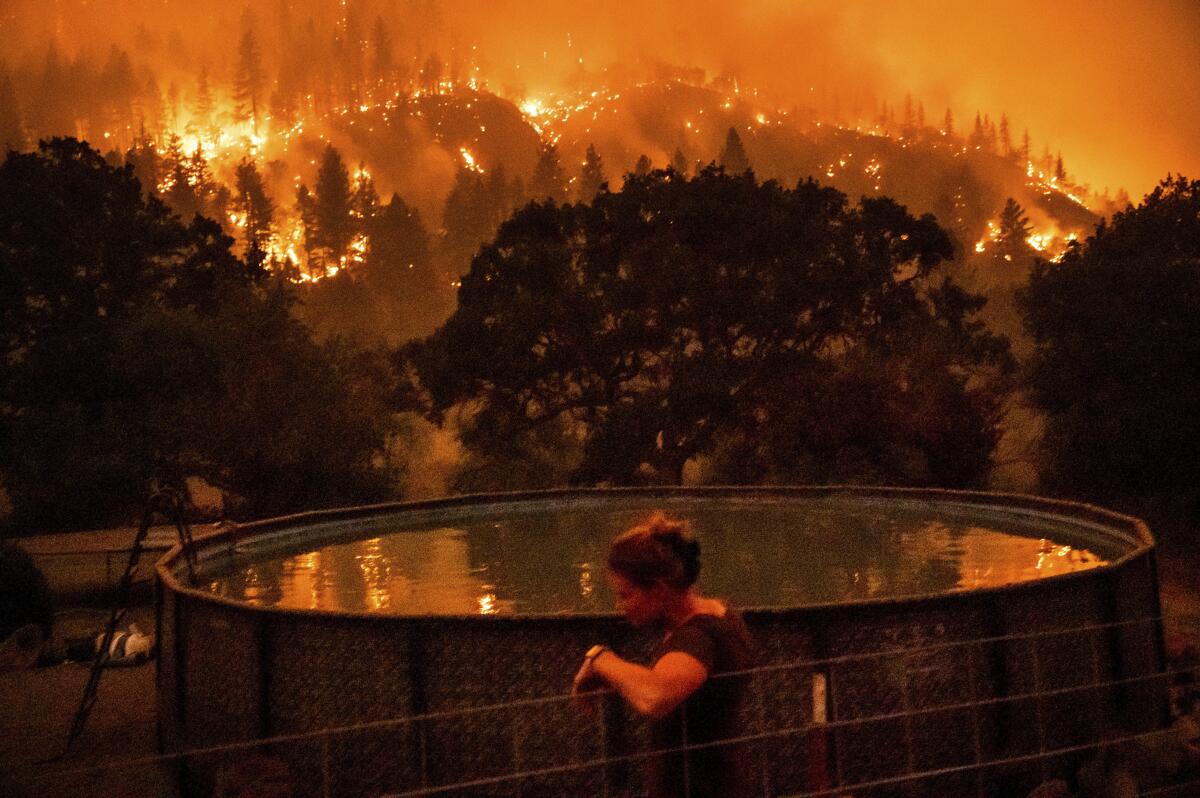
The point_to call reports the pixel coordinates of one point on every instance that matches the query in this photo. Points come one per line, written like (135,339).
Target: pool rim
(1131,532)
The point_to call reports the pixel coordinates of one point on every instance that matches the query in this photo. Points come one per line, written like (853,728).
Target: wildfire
(469,160)
(222,138)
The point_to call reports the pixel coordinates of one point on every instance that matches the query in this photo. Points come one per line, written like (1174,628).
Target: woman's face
(642,606)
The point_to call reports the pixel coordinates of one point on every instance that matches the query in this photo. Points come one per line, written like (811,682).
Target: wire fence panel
(900,724)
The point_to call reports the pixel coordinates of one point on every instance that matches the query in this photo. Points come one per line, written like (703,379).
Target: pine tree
(591,177)
(502,196)
(1059,171)
(397,264)
(254,204)
(365,202)
(948,124)
(921,115)
(1026,149)
(910,118)
(306,209)
(181,197)
(172,110)
(118,85)
(431,73)
(146,163)
(12,129)
(1014,230)
(382,66)
(679,163)
(202,108)
(547,181)
(733,155)
(250,80)
(153,112)
(332,207)
(978,136)
(468,219)
(1006,145)
(212,198)
(643,166)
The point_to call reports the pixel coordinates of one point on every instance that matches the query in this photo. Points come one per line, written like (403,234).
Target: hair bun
(678,536)
(660,548)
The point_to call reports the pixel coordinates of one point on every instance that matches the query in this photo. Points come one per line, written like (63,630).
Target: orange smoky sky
(1114,85)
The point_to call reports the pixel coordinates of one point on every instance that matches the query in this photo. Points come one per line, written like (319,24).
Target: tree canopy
(138,349)
(779,333)
(1117,364)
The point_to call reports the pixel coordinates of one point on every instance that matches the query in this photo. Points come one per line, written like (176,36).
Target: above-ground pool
(931,631)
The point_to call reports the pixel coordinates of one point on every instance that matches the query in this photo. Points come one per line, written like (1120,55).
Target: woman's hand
(585,689)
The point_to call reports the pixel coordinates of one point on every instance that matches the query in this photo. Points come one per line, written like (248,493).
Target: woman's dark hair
(660,549)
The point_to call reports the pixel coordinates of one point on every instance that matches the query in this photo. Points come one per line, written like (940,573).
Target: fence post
(325,789)
(1041,721)
(972,677)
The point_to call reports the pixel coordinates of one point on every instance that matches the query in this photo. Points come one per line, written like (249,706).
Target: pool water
(755,552)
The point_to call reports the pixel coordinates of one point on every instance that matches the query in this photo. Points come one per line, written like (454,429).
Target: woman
(652,571)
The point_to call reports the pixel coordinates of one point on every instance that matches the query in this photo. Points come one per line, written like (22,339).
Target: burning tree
(779,333)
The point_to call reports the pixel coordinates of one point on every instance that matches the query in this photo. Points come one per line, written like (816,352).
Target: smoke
(1114,85)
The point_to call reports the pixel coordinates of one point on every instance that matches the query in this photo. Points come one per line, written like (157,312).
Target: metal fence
(916,740)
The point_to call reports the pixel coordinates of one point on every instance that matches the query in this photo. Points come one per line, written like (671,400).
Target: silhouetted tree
(332,207)
(250,79)
(431,73)
(399,272)
(118,86)
(1059,170)
(382,65)
(172,108)
(733,155)
(12,128)
(212,198)
(468,219)
(306,209)
(202,122)
(591,176)
(53,115)
(503,195)
(679,164)
(255,206)
(146,163)
(364,204)
(1006,145)
(1117,326)
(1026,149)
(948,123)
(1014,230)
(978,135)
(160,356)
(181,195)
(548,181)
(720,317)
(909,129)
(643,166)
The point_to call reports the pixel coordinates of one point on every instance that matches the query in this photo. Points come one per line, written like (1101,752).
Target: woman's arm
(653,692)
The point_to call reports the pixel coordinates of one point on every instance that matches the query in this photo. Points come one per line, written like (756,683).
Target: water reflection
(755,553)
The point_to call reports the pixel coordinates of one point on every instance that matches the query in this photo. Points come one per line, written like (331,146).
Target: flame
(469,160)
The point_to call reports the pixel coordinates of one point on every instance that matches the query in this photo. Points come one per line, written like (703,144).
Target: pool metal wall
(229,671)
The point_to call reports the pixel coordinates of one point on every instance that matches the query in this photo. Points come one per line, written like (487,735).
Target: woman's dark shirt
(722,644)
